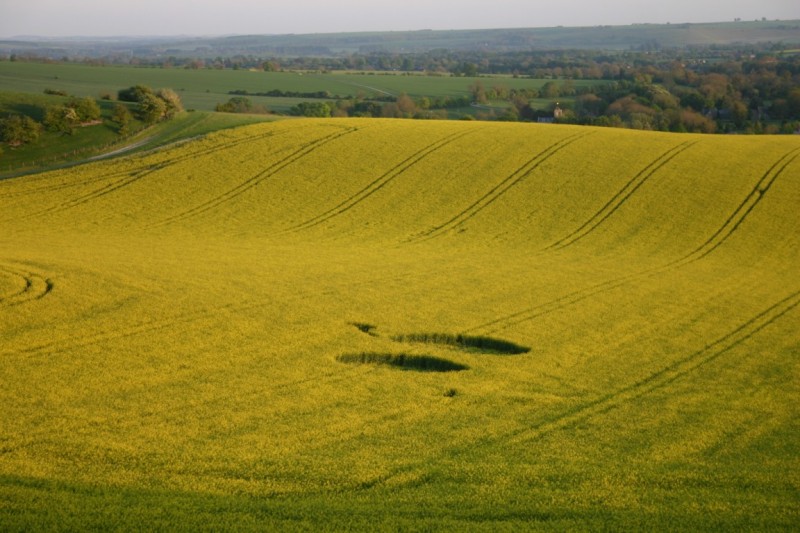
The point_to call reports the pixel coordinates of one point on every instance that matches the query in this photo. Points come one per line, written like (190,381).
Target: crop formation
(383,324)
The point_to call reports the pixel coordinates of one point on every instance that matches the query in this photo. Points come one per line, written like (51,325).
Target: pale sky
(58,18)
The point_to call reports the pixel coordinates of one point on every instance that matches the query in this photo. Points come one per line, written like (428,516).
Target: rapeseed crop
(337,324)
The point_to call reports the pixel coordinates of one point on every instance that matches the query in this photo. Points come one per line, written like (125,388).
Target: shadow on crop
(402,361)
(470,343)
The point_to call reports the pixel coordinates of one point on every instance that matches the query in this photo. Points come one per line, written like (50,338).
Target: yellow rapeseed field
(388,324)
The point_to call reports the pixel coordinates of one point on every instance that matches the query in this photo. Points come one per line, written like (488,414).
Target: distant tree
(478,92)
(86,109)
(151,108)
(133,94)
(18,129)
(122,118)
(61,119)
(311,109)
(550,90)
(694,122)
(172,102)
(406,106)
(240,104)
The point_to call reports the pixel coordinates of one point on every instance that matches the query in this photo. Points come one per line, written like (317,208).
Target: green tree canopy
(311,109)
(172,102)
(151,108)
(19,129)
(122,118)
(61,119)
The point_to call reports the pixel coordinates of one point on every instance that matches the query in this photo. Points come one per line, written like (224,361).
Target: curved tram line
(499,189)
(622,196)
(253,181)
(379,183)
(35,287)
(129,177)
(659,379)
(733,222)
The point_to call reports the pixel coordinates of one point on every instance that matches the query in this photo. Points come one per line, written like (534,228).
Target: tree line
(149,107)
(753,89)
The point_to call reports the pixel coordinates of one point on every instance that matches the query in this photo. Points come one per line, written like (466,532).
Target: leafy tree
(478,92)
(311,109)
(61,119)
(122,118)
(240,104)
(19,129)
(550,90)
(151,108)
(172,102)
(133,94)
(86,109)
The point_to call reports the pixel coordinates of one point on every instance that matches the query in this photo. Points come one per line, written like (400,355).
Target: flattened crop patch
(402,361)
(470,343)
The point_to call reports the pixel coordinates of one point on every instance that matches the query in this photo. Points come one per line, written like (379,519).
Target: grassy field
(373,324)
(205,88)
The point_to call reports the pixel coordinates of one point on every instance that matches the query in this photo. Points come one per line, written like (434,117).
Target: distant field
(203,89)
(676,34)
(405,325)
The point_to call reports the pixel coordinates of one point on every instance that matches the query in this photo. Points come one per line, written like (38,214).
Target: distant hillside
(597,38)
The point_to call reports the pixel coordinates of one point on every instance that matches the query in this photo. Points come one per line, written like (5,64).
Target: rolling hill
(383,324)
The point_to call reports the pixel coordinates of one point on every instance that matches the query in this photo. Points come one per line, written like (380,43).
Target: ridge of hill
(622,37)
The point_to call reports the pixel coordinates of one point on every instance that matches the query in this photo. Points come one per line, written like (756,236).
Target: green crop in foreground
(173,328)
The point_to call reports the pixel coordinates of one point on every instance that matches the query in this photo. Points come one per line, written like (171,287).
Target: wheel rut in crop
(253,181)
(378,183)
(34,287)
(500,188)
(670,373)
(677,369)
(746,207)
(622,196)
(129,177)
(719,237)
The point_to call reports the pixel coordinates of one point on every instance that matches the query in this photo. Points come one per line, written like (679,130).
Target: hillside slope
(312,322)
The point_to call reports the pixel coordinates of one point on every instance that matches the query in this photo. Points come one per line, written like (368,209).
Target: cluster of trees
(16,130)
(402,106)
(152,106)
(241,104)
(749,97)
(713,89)
(65,118)
(76,112)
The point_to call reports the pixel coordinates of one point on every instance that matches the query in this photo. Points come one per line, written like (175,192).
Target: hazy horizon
(150,18)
